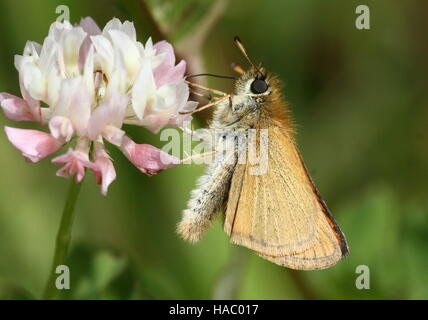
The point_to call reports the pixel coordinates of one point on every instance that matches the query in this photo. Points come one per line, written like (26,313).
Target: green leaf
(106,267)
(93,272)
(11,291)
(159,284)
(179,17)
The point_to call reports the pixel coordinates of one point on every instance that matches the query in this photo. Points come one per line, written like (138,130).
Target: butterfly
(279,213)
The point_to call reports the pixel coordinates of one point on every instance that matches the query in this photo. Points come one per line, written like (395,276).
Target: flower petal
(127,27)
(105,173)
(113,24)
(171,75)
(167,72)
(107,117)
(15,108)
(75,103)
(49,55)
(149,52)
(34,81)
(129,50)
(34,145)
(70,51)
(164,47)
(171,100)
(54,79)
(155,122)
(148,159)
(74,164)
(104,56)
(117,81)
(61,128)
(57,28)
(33,104)
(90,26)
(32,49)
(143,90)
(179,119)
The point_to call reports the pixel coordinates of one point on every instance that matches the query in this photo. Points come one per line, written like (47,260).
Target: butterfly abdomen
(208,198)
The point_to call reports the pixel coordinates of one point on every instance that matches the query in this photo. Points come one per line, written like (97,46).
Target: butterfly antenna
(210,75)
(245,54)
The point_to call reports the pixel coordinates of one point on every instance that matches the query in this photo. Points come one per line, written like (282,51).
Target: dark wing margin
(337,232)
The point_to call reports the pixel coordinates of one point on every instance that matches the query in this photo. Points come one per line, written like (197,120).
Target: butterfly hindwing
(279,214)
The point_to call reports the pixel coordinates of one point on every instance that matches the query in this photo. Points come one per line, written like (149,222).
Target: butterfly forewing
(279,214)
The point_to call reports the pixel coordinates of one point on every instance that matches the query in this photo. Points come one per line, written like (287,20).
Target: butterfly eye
(259,86)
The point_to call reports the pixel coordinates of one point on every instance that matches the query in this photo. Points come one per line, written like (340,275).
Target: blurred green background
(359,99)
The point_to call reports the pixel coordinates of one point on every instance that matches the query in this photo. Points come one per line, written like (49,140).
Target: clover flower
(83,84)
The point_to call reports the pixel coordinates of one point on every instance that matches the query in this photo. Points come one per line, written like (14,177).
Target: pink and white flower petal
(49,56)
(164,47)
(117,83)
(75,162)
(174,96)
(104,56)
(167,72)
(54,80)
(180,119)
(155,122)
(15,108)
(131,55)
(148,51)
(127,27)
(34,145)
(69,51)
(148,159)
(33,104)
(144,89)
(32,49)
(61,128)
(88,73)
(75,104)
(171,99)
(90,26)
(105,173)
(31,55)
(34,81)
(107,119)
(171,75)
(58,28)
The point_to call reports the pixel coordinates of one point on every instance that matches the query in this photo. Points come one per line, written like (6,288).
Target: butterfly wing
(280,214)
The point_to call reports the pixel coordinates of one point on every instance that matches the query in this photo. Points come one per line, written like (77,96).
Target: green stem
(229,282)
(62,239)
(302,284)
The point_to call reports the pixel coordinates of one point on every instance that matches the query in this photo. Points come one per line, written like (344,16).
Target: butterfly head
(255,92)
(256,98)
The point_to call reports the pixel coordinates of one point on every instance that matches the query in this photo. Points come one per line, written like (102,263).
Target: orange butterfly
(279,214)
